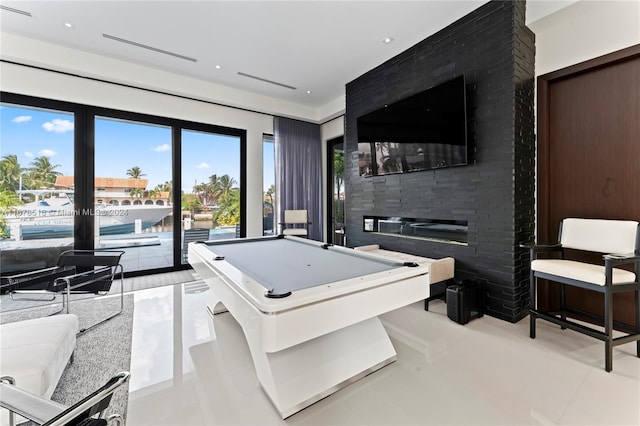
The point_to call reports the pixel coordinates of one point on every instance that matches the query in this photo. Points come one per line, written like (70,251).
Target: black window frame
(84,170)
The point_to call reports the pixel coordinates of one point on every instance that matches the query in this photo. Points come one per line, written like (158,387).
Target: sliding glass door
(335,193)
(269,226)
(211,179)
(132,199)
(37,209)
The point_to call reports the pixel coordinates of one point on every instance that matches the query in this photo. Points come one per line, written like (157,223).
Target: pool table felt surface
(284,265)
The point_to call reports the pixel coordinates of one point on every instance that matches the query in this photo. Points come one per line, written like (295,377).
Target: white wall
(585,30)
(50,56)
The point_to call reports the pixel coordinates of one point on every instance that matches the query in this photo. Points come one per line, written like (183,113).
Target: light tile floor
(189,369)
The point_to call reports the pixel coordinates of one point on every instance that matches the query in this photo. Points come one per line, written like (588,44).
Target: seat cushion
(580,271)
(295,231)
(439,269)
(35,352)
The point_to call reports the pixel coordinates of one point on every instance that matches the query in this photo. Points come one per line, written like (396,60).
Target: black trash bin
(465,301)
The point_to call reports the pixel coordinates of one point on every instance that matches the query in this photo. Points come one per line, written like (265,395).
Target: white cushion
(35,352)
(586,272)
(294,231)
(295,216)
(599,235)
(439,269)
(370,247)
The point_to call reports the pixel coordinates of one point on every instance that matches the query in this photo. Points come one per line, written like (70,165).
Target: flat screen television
(425,131)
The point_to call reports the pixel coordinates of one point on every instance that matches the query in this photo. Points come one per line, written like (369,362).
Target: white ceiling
(316,46)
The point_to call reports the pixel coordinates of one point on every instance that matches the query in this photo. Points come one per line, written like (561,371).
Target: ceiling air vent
(11,9)
(266,81)
(144,46)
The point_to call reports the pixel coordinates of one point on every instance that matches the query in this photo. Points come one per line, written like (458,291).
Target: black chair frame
(77,272)
(90,410)
(560,316)
(191,236)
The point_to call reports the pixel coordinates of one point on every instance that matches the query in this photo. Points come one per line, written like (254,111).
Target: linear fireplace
(445,231)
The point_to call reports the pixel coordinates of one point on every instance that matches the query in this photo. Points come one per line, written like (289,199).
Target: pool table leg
(215,305)
(301,375)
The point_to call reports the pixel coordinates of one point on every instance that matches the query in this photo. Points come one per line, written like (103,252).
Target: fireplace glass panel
(450,231)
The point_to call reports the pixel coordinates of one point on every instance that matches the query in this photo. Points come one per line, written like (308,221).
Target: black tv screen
(425,131)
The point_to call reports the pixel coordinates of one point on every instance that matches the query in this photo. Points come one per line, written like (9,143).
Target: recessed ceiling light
(309,92)
(387,40)
(218,67)
(69,25)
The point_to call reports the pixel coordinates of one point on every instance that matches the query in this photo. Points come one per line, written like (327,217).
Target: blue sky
(120,145)
(30,133)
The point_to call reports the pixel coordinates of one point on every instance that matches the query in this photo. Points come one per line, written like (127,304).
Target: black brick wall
(495,193)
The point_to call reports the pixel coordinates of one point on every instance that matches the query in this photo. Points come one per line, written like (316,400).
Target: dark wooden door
(589,155)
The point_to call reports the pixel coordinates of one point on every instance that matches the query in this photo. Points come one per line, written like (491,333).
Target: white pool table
(309,311)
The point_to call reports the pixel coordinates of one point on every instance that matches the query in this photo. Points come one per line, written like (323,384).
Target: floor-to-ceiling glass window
(74,175)
(269,225)
(37,208)
(211,179)
(133,205)
(335,195)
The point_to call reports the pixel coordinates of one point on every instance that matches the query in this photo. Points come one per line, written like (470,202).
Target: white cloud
(22,119)
(203,166)
(47,153)
(162,148)
(58,125)
(28,154)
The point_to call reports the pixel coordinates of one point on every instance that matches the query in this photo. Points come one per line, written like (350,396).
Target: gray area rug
(100,353)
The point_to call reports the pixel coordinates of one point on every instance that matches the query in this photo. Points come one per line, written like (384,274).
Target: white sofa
(35,352)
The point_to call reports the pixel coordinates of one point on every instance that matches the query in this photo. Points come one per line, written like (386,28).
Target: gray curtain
(299,171)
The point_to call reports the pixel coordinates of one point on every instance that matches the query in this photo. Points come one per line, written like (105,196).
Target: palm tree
(158,190)
(135,172)
(42,172)
(214,188)
(227,183)
(222,191)
(153,193)
(166,187)
(8,199)
(202,191)
(136,193)
(10,172)
(229,211)
(271,192)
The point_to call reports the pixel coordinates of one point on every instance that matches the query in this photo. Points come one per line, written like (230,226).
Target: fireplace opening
(441,230)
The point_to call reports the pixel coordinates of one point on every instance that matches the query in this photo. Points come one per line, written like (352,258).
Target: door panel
(595,144)
(589,158)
